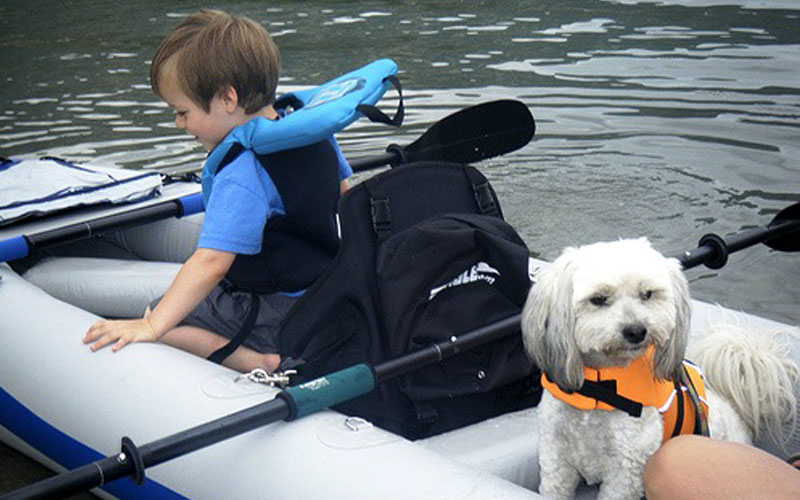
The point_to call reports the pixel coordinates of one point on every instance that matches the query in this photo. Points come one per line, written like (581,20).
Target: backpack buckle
(381,217)
(484,199)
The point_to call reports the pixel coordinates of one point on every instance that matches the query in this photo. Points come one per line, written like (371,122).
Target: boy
(269,228)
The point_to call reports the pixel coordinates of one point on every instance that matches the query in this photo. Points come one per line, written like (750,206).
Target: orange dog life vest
(632,387)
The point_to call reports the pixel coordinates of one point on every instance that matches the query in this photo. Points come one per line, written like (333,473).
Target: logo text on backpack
(478,272)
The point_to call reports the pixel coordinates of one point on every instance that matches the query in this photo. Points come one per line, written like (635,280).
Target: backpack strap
(380,209)
(482,192)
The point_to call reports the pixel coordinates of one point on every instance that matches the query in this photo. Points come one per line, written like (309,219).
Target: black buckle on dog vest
(606,391)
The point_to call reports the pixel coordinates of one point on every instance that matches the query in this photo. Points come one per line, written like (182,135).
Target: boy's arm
(196,278)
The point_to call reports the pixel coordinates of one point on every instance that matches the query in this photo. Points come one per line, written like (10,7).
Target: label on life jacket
(318,113)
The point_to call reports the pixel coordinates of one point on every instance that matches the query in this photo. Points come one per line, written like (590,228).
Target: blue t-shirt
(243,198)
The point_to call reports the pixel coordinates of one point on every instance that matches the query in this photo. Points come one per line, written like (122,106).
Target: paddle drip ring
(131,452)
(401,158)
(719,255)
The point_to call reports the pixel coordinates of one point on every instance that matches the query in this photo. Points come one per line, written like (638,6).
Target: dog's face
(603,305)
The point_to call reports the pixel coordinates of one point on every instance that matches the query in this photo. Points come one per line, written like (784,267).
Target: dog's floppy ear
(669,357)
(548,321)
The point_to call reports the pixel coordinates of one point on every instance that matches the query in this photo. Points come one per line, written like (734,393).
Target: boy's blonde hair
(214,49)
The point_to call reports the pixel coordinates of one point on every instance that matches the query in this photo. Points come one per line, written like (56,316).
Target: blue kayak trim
(17,247)
(8,163)
(191,204)
(71,453)
(13,248)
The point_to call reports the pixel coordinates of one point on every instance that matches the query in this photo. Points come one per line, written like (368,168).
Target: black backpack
(425,255)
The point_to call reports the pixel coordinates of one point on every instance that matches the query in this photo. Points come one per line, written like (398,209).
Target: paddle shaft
(713,250)
(21,246)
(370,162)
(123,464)
(469,135)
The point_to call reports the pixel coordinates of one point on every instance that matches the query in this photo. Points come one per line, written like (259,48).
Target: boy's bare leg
(709,469)
(202,343)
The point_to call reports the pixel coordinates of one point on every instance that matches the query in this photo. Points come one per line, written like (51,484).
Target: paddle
(782,233)
(467,136)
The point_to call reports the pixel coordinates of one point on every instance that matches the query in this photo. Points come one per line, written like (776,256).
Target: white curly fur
(586,310)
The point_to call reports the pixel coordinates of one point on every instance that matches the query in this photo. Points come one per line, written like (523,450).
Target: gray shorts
(225,309)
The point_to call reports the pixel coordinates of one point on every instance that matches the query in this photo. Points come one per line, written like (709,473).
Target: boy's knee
(662,471)
(271,362)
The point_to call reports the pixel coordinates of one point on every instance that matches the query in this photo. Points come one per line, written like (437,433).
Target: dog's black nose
(634,333)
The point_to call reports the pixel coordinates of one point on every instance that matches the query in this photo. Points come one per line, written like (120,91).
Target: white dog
(600,311)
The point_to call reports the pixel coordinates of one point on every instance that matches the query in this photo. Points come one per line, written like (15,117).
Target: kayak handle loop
(719,250)
(131,453)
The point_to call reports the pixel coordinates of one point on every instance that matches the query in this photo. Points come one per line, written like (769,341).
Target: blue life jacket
(297,246)
(318,114)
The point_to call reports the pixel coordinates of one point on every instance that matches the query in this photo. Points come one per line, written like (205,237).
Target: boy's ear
(229,97)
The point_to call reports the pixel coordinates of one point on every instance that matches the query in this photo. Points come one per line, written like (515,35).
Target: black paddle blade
(475,133)
(786,229)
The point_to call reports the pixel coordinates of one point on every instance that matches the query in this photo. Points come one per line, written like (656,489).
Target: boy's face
(209,128)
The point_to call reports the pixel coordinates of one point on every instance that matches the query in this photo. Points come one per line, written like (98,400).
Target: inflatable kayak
(65,406)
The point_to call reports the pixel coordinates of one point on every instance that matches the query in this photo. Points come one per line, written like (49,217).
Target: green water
(661,119)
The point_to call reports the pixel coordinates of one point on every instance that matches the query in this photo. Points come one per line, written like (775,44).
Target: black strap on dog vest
(681,411)
(606,391)
(223,352)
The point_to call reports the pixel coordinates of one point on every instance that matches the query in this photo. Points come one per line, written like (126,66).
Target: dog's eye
(646,295)
(599,300)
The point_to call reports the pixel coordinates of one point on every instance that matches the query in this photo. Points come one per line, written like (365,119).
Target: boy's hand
(122,332)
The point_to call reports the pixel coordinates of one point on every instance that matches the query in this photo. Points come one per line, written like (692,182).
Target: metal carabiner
(261,376)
